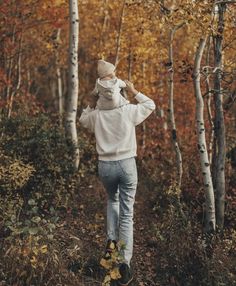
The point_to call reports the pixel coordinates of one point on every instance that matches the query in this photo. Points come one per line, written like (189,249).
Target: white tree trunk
(59,79)
(205,166)
(71,130)
(171,106)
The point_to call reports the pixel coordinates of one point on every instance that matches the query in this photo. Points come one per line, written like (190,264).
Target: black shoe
(126,275)
(111,247)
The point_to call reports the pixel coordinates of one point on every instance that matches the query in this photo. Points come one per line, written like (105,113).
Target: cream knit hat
(104,68)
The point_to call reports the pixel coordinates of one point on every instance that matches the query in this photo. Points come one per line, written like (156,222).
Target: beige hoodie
(115,129)
(109,92)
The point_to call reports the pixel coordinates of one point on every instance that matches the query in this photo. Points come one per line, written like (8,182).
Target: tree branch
(225,2)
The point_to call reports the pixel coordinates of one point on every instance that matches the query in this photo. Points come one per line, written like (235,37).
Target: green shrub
(14,174)
(40,142)
(183,250)
(38,182)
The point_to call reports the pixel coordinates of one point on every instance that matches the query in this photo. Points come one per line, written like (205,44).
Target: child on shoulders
(108,87)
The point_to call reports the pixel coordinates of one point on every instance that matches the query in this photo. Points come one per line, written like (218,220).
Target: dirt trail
(91,231)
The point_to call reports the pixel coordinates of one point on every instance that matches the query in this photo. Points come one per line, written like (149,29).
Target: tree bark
(208,101)
(144,123)
(70,121)
(119,33)
(102,33)
(205,166)
(60,95)
(59,80)
(219,122)
(130,64)
(18,79)
(9,67)
(171,105)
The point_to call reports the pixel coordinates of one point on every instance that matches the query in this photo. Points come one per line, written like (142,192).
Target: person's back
(116,146)
(115,129)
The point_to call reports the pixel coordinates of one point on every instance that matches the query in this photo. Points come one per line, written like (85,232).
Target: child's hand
(130,87)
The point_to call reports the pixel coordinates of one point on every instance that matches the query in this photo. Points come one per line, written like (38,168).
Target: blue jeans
(120,181)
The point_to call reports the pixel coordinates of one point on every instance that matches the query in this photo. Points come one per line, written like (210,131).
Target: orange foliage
(143,55)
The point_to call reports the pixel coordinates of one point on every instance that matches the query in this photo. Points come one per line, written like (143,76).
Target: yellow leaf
(115,274)
(106,281)
(49,46)
(44,248)
(33,261)
(121,244)
(112,246)
(107,264)
(35,250)
(59,2)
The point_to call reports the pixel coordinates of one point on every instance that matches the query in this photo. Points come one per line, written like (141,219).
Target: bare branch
(230,101)
(225,2)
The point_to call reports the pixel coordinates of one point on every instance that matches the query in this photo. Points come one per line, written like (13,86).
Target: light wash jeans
(120,181)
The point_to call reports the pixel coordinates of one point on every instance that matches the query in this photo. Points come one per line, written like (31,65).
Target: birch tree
(10,68)
(208,99)
(73,80)
(205,166)
(59,78)
(118,41)
(219,172)
(18,78)
(103,33)
(171,103)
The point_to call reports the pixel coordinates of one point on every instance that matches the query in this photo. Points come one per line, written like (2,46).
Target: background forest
(181,54)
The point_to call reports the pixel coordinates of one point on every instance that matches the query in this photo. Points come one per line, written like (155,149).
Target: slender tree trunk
(71,130)
(144,123)
(130,64)
(28,84)
(60,95)
(118,41)
(2,65)
(64,80)
(219,122)
(9,68)
(171,105)
(102,33)
(208,101)
(59,80)
(160,112)
(53,87)
(18,83)
(205,166)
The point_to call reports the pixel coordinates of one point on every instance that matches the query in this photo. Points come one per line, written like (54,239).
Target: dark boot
(126,275)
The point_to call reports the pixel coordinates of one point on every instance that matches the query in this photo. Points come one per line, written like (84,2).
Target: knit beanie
(104,68)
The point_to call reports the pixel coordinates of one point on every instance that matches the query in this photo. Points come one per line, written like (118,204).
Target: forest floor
(85,230)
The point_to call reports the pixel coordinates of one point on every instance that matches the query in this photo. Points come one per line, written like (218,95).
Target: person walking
(116,146)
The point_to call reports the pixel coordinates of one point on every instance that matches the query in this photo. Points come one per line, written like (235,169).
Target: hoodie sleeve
(87,118)
(122,84)
(95,90)
(139,112)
